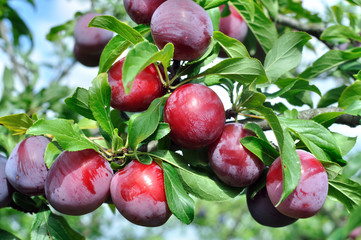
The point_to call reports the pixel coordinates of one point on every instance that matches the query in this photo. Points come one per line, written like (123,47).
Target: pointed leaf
(181,205)
(19,123)
(79,102)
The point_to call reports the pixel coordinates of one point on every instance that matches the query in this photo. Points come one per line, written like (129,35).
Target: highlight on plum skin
(138,193)
(5,188)
(146,87)
(195,114)
(231,161)
(141,11)
(25,169)
(78,182)
(186,25)
(310,194)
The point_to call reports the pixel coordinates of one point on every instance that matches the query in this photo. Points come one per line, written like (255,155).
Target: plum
(146,87)
(138,193)
(231,162)
(262,209)
(25,169)
(186,25)
(195,115)
(5,187)
(233,25)
(141,11)
(78,182)
(89,41)
(311,192)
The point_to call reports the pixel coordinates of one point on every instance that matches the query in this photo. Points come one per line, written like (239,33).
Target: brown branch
(345,119)
(313,29)
(8,48)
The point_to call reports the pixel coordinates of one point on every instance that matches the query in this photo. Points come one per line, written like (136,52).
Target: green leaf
(181,205)
(272,7)
(327,119)
(52,151)
(330,97)
(99,103)
(142,55)
(251,98)
(25,202)
(355,2)
(291,170)
(162,130)
(350,95)
(19,123)
(317,138)
(117,142)
(345,143)
(244,70)
(112,24)
(233,47)
(65,133)
(338,14)
(339,31)
(285,54)
(329,60)
(261,148)
(79,103)
(346,191)
(254,127)
(116,46)
(198,182)
(143,125)
(261,26)
(213,3)
(215,15)
(5,235)
(46,224)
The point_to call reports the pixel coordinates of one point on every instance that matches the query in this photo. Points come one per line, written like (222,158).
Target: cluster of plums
(79,182)
(181,22)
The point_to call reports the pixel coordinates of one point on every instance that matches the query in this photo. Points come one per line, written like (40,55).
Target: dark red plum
(5,188)
(263,211)
(141,11)
(231,162)
(310,194)
(85,57)
(78,182)
(233,25)
(146,87)
(185,24)
(138,193)
(89,41)
(25,169)
(195,115)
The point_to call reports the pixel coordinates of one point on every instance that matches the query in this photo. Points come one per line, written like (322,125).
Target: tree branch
(313,29)
(8,48)
(345,119)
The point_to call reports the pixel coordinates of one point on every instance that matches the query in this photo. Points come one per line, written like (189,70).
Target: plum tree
(5,188)
(233,25)
(138,192)
(146,87)
(141,11)
(262,209)
(89,41)
(185,24)
(233,163)
(25,169)
(195,115)
(310,194)
(78,182)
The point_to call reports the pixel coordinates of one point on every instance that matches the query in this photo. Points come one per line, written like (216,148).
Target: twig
(345,119)
(8,48)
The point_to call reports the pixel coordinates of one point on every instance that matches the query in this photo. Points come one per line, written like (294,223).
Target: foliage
(265,84)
